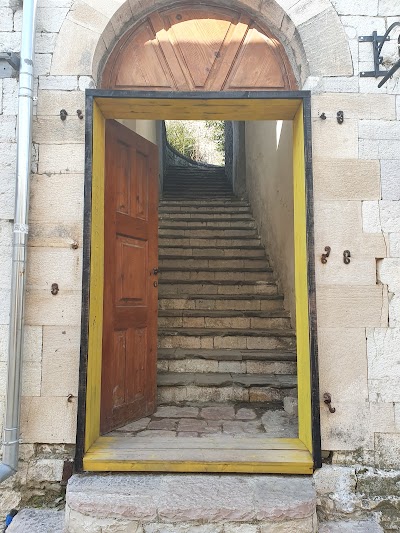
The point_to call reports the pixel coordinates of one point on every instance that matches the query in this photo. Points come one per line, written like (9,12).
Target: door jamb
(304,150)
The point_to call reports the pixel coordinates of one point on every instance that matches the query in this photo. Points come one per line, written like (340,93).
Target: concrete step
(238,339)
(205,242)
(215,287)
(203,262)
(227,223)
(197,503)
(169,275)
(200,252)
(228,302)
(38,521)
(223,387)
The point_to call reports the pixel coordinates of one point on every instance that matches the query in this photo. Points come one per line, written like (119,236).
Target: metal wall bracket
(376,40)
(9,64)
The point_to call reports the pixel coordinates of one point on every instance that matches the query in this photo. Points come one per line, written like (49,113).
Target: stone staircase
(224,335)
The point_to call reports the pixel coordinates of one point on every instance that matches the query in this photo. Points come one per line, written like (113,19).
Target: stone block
(64,158)
(364,26)
(10,41)
(44,470)
(350,526)
(382,352)
(301,12)
(240,528)
(384,390)
(218,413)
(50,420)
(10,96)
(379,149)
(49,130)
(394,310)
(49,19)
(67,59)
(355,106)
(346,179)
(398,107)
(340,224)
(45,43)
(61,346)
(7,185)
(325,44)
(360,271)
(46,266)
(390,180)
(388,273)
(57,199)
(349,428)
(379,129)
(42,64)
(394,244)
(352,306)
(5,266)
(381,216)
(6,19)
(86,82)
(38,521)
(50,103)
(387,450)
(386,8)
(336,141)
(356,7)
(42,308)
(58,83)
(382,417)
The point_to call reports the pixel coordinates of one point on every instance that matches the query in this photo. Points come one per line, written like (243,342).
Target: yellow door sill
(198,454)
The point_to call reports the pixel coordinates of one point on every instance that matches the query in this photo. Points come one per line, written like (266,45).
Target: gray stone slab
(350,526)
(192,497)
(38,521)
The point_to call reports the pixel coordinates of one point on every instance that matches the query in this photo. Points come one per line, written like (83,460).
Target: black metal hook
(328,401)
(324,257)
(346,257)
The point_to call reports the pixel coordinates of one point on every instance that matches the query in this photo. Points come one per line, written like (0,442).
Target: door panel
(129,359)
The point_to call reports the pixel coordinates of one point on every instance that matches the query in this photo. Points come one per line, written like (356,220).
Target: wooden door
(194,47)
(129,360)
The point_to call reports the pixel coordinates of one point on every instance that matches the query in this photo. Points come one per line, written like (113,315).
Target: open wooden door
(129,362)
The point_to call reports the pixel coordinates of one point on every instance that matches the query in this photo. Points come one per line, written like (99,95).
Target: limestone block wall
(357,207)
(269,180)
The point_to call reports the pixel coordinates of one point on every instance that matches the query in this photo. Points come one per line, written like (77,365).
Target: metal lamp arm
(390,73)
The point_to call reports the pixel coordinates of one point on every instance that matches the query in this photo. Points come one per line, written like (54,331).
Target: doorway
(292,455)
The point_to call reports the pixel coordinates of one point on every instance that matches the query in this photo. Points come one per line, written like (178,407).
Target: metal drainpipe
(9,464)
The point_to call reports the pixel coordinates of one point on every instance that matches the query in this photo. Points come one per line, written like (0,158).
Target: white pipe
(11,431)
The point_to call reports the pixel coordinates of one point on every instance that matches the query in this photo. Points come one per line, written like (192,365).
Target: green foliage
(217,131)
(181,138)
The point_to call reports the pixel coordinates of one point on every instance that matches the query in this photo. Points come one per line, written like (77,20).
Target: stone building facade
(357,207)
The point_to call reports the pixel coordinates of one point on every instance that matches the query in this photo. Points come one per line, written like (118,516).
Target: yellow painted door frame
(95,452)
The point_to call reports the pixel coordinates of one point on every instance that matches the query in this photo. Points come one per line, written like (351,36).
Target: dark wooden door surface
(129,360)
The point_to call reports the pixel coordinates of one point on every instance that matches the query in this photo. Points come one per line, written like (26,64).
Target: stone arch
(309,30)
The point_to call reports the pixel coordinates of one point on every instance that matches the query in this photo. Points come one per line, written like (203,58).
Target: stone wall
(357,208)
(269,180)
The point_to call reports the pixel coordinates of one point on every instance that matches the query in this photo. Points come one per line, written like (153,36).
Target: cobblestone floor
(198,421)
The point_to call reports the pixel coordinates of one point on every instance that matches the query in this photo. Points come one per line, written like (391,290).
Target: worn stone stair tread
(209,379)
(274,313)
(193,498)
(216,332)
(226,354)
(189,247)
(221,296)
(240,283)
(38,521)
(213,269)
(350,526)
(217,237)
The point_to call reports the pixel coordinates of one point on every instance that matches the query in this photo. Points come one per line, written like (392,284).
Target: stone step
(235,275)
(226,223)
(238,322)
(217,196)
(223,387)
(232,302)
(208,232)
(204,216)
(235,367)
(200,263)
(215,287)
(38,521)
(197,503)
(204,209)
(200,252)
(224,355)
(205,242)
(231,203)
(252,339)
